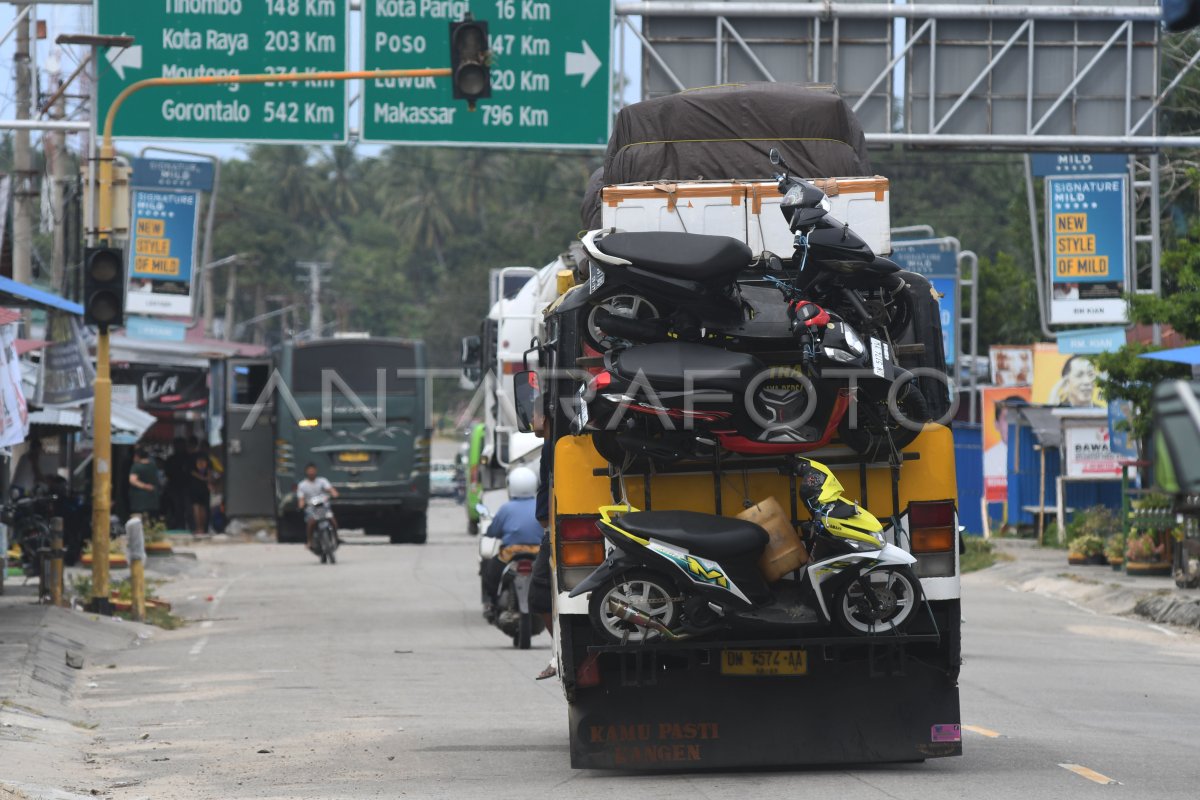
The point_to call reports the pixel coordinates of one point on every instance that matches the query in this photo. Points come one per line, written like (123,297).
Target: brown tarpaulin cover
(725,133)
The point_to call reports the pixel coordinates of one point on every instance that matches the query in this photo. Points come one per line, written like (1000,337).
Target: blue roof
(18,294)
(1179,355)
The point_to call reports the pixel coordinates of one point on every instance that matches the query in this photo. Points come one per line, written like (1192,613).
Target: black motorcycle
(325,536)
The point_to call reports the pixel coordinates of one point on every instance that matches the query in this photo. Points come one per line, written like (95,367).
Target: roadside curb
(1091,588)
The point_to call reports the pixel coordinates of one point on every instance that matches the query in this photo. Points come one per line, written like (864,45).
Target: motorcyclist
(516,526)
(313,486)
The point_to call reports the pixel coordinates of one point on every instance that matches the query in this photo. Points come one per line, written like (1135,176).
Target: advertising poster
(67,375)
(163,226)
(1011,365)
(1088,245)
(14,412)
(1060,379)
(994,416)
(1087,452)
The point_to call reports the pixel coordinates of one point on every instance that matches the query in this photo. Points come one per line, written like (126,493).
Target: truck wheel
(411,528)
(897,589)
(289,529)
(647,592)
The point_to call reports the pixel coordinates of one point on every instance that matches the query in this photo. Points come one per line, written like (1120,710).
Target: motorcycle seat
(664,365)
(691,256)
(882,266)
(704,535)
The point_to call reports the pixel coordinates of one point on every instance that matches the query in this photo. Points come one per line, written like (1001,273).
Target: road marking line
(982,731)
(1090,774)
(206,624)
(198,647)
(1161,629)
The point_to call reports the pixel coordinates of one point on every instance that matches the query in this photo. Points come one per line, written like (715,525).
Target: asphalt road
(378,678)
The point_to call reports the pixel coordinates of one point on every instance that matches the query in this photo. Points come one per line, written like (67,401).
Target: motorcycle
(325,536)
(673,400)
(674,575)
(28,520)
(509,610)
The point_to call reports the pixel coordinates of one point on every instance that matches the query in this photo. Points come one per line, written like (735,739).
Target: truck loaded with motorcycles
(714,402)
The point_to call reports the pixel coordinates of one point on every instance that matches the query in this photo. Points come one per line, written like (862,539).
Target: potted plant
(1087,548)
(157,543)
(1146,554)
(1114,551)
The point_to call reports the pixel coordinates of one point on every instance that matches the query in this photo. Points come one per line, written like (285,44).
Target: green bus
(358,408)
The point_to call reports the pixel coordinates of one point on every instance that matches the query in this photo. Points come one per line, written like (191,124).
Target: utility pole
(58,198)
(22,254)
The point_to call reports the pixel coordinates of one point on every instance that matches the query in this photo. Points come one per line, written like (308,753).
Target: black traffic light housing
(104,286)
(470,60)
(1180,15)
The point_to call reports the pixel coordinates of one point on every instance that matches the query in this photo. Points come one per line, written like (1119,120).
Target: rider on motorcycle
(313,486)
(515,525)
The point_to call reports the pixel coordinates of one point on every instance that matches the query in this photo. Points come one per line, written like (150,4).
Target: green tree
(1127,376)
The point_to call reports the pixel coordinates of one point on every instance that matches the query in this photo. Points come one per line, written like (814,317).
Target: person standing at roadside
(198,493)
(178,467)
(144,488)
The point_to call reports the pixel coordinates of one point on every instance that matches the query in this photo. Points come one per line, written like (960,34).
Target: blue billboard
(1087,235)
(162,252)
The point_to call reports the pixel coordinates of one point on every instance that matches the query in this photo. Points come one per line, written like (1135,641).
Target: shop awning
(1179,355)
(1046,425)
(128,423)
(18,294)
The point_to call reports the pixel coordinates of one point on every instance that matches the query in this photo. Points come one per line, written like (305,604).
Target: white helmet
(522,482)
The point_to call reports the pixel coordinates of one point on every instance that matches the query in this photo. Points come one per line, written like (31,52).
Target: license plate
(877,357)
(354,457)
(764,662)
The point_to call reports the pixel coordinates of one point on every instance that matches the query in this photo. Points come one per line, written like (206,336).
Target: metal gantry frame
(937,108)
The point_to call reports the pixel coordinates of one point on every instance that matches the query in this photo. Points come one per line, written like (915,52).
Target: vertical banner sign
(202,38)
(997,412)
(937,260)
(551,73)
(1088,243)
(66,373)
(162,252)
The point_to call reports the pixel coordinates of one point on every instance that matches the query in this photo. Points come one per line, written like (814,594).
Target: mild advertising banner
(1088,242)
(162,255)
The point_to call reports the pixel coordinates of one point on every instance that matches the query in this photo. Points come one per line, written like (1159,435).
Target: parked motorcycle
(325,536)
(674,575)
(509,610)
(28,521)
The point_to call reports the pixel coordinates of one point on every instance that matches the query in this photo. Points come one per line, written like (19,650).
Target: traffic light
(104,286)
(469,60)
(1180,15)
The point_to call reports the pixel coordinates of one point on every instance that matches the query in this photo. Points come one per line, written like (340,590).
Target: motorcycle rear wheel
(870,438)
(900,593)
(648,592)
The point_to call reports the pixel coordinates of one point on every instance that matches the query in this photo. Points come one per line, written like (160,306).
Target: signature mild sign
(195,38)
(1088,240)
(550,73)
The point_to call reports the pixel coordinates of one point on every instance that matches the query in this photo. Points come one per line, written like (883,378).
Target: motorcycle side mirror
(527,397)
(776,159)
(774,263)
(482,510)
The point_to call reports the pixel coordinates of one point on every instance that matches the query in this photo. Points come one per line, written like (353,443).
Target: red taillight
(578,529)
(931,526)
(525,566)
(601,380)
(580,543)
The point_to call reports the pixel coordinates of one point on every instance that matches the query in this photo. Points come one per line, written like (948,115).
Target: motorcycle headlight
(794,196)
(840,355)
(853,341)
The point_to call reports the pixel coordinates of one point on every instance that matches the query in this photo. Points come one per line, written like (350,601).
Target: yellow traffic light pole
(102,435)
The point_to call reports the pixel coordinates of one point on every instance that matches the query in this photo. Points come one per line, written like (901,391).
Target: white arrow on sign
(128,57)
(585,64)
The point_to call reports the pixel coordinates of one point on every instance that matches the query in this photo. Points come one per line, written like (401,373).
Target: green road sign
(188,38)
(551,67)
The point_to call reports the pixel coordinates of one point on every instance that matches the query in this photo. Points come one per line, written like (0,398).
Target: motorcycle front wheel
(895,597)
(647,593)
(524,632)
